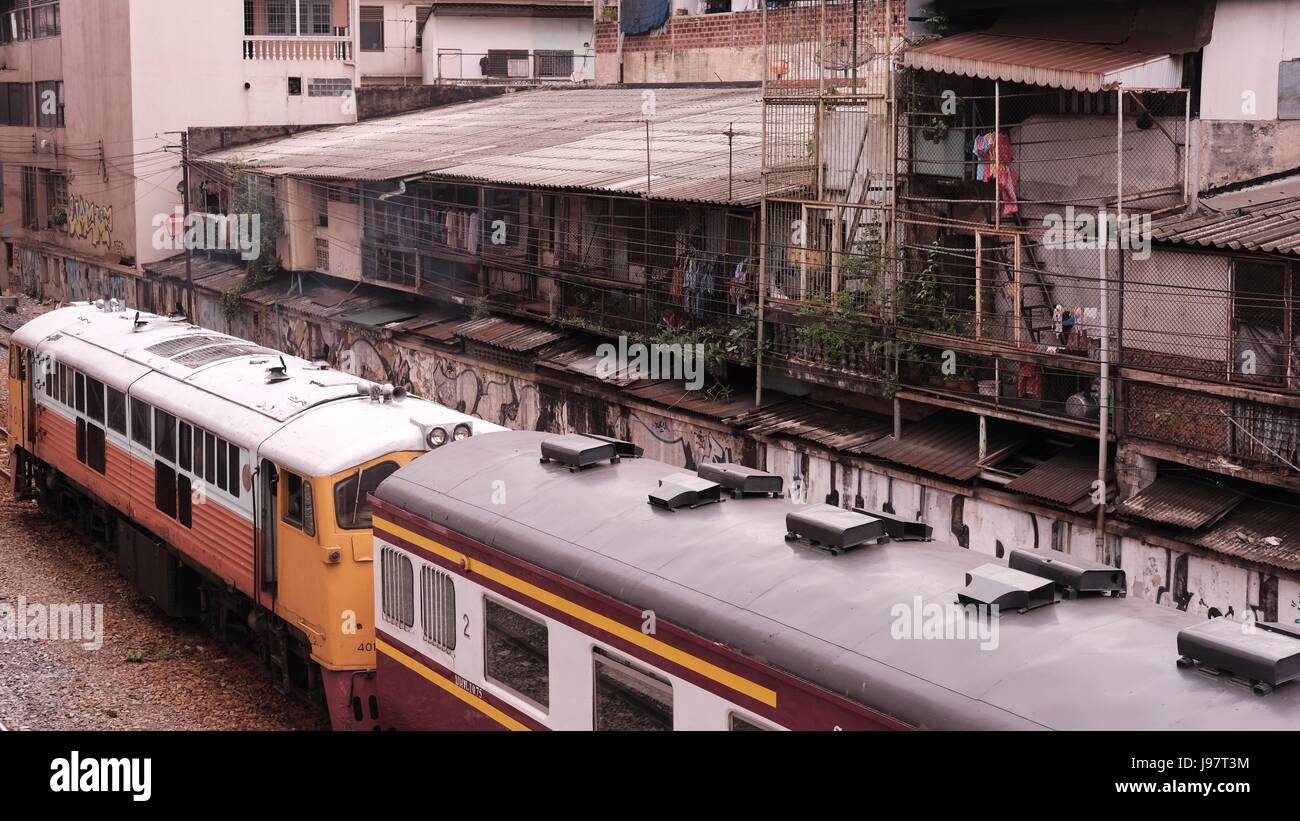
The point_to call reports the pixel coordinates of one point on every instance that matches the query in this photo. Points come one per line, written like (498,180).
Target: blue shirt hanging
(640,16)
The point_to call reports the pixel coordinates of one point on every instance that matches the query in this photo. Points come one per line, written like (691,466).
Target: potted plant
(58,217)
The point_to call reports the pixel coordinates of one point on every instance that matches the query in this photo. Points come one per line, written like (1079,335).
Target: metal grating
(218,353)
(181,344)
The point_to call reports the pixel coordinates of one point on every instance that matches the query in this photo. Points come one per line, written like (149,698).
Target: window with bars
(505,63)
(56,191)
(29,197)
(281,18)
(397,591)
(16,104)
(28,19)
(438,608)
(322,255)
(554,63)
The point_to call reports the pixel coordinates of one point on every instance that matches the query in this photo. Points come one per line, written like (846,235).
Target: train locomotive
(231,480)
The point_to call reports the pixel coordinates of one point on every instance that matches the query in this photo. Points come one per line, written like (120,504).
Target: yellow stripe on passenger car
(628,634)
(459,692)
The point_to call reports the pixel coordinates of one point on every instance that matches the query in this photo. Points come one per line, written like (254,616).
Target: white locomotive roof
(219,382)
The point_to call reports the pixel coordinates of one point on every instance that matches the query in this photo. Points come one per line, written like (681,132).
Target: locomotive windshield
(351,496)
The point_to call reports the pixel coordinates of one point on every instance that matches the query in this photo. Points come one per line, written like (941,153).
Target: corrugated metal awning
(947,444)
(508,334)
(1066,478)
(1267,532)
(1044,62)
(1272,227)
(1182,502)
(832,427)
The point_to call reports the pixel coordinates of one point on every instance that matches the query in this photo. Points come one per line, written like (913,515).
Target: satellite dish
(840,54)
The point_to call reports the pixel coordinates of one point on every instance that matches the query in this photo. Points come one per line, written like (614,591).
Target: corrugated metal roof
(584,139)
(1045,62)
(675,394)
(832,427)
(508,334)
(1272,227)
(1065,478)
(1267,532)
(1182,502)
(946,443)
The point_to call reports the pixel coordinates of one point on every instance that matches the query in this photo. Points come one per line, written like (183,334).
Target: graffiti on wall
(89,221)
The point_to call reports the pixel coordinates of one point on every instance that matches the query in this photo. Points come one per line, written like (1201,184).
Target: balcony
(286,49)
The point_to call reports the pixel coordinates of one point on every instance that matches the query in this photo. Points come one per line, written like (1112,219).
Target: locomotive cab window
(516,653)
(94,400)
(164,435)
(630,697)
(298,507)
(352,495)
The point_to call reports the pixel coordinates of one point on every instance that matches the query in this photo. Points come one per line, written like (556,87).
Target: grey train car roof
(725,572)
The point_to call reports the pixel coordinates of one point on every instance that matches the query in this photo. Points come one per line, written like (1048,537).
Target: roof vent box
(1261,654)
(621,446)
(1074,575)
(1006,588)
(741,480)
(576,451)
(833,528)
(684,490)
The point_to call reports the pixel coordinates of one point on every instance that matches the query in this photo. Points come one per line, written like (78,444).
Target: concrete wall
(399,58)
(1240,74)
(474,36)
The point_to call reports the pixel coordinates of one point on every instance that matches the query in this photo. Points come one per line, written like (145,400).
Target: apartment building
(97,95)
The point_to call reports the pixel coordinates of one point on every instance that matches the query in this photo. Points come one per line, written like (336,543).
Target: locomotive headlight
(437,437)
(463,431)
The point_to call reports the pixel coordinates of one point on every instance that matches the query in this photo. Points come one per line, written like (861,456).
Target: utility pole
(185,207)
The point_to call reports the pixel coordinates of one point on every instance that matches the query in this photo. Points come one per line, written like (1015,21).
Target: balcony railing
(297,48)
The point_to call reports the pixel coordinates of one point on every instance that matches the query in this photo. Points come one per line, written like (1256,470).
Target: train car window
(164,488)
(222,464)
(164,435)
(232,484)
(95,451)
(292,484)
(352,499)
(438,608)
(81,440)
(50,372)
(198,453)
(14,353)
(397,595)
(117,411)
(94,400)
(210,465)
(308,510)
(516,652)
(630,697)
(140,416)
(184,500)
(81,392)
(739,723)
(184,445)
(63,384)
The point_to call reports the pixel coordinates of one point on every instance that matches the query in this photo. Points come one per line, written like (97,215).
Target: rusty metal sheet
(947,444)
(1065,478)
(1182,502)
(836,428)
(1272,227)
(1264,531)
(508,334)
(1054,63)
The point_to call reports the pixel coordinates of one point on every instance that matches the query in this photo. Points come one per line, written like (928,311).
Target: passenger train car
(528,581)
(232,480)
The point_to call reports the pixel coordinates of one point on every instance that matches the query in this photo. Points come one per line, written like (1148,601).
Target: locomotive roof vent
(741,480)
(1007,588)
(1262,655)
(139,324)
(684,490)
(1073,575)
(277,373)
(576,451)
(622,447)
(833,528)
(902,530)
